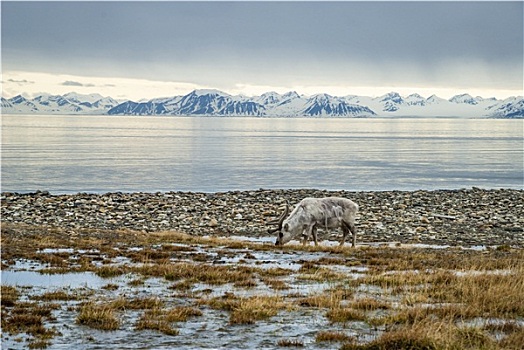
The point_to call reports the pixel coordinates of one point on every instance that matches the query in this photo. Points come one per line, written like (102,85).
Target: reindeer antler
(278,221)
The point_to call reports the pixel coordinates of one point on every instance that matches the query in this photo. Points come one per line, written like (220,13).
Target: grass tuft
(330,336)
(98,316)
(9,295)
(345,314)
(249,310)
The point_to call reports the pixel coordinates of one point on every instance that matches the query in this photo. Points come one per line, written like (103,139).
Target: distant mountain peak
(291,94)
(464,98)
(393,97)
(212,102)
(212,92)
(435,99)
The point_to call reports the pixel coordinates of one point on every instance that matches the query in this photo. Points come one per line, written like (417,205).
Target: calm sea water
(70,154)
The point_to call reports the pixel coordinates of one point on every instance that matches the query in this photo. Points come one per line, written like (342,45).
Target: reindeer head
(281,239)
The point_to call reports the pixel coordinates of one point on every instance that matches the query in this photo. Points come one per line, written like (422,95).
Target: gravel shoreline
(466,217)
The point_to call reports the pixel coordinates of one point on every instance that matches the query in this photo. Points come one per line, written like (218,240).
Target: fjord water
(70,154)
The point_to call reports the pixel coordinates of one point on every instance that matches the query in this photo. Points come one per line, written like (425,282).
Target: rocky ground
(448,217)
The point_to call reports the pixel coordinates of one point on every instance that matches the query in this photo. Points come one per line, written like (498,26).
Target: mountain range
(70,103)
(271,104)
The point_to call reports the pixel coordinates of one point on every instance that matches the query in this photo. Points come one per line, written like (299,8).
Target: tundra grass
(313,272)
(275,283)
(322,300)
(60,294)
(226,302)
(151,320)
(429,335)
(251,309)
(162,320)
(29,318)
(426,298)
(8,295)
(333,336)
(344,315)
(98,316)
(123,303)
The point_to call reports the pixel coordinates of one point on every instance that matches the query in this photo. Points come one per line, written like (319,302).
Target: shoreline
(462,217)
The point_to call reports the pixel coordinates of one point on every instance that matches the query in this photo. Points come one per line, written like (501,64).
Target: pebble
(466,217)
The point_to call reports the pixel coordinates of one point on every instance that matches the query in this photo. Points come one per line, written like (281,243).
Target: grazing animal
(311,213)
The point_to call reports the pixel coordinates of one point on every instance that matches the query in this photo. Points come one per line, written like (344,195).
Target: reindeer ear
(286,227)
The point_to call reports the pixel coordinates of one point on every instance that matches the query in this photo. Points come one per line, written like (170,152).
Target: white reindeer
(311,213)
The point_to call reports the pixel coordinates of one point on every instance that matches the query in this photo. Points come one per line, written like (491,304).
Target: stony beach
(467,217)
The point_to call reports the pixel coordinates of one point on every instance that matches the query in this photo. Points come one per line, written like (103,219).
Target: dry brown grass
(225,303)
(251,309)
(181,313)
(314,272)
(123,303)
(60,295)
(161,319)
(494,295)
(108,271)
(323,300)
(98,316)
(8,295)
(428,334)
(369,304)
(513,341)
(344,315)
(275,284)
(332,336)
(28,318)
(204,273)
(274,272)
(153,320)
(184,285)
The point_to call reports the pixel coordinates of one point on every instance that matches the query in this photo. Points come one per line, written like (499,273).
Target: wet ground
(220,278)
(211,330)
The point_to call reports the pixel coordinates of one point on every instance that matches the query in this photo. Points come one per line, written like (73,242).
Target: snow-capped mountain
(326,105)
(415,100)
(268,98)
(272,104)
(434,99)
(91,101)
(214,102)
(512,107)
(198,102)
(71,103)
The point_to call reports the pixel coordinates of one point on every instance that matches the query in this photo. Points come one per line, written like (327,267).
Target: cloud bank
(230,45)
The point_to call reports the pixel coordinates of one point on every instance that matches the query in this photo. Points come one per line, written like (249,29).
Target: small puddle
(37,279)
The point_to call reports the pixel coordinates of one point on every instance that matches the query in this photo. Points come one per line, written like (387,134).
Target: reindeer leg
(314,234)
(345,231)
(350,227)
(305,232)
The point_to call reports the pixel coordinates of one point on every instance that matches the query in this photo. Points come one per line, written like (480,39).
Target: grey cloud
(269,41)
(20,82)
(364,28)
(75,83)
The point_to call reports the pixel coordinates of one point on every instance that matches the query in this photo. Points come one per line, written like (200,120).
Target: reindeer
(311,213)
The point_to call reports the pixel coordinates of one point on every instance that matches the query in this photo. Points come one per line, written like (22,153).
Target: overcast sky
(154,49)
